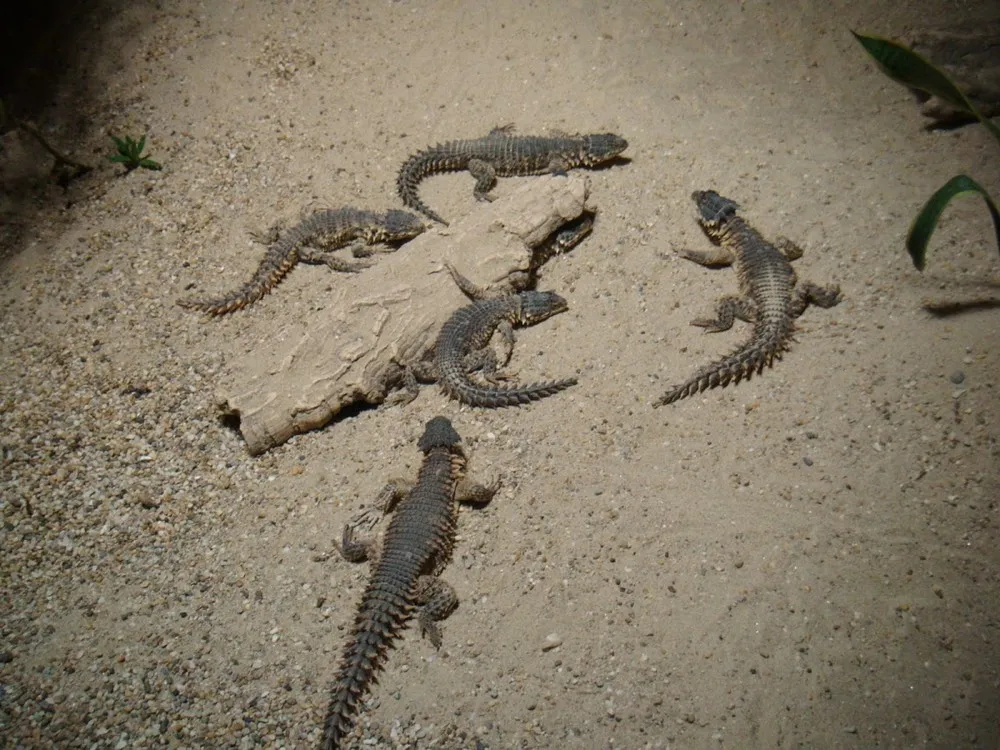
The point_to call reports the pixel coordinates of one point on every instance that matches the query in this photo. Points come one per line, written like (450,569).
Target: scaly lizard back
(417,546)
(501,154)
(330,230)
(470,329)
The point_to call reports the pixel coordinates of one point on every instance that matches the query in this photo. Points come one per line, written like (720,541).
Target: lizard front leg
(335,263)
(473,493)
(788,248)
(717,257)
(729,307)
(393,491)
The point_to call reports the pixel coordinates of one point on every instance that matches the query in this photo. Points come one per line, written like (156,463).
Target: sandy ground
(808,559)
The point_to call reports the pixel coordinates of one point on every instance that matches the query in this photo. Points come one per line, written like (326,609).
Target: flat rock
(349,352)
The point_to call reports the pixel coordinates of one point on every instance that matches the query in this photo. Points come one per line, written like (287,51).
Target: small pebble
(807,461)
(552,640)
(957,377)
(147,500)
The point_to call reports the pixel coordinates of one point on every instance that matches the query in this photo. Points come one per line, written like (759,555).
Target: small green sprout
(130,154)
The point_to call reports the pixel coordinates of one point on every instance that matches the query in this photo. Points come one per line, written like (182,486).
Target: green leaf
(910,69)
(150,164)
(926,221)
(120,158)
(122,148)
(140,146)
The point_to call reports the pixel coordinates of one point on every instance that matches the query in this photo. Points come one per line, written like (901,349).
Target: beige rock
(350,351)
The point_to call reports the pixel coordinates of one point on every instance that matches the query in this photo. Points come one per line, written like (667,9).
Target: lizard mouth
(539,306)
(603,148)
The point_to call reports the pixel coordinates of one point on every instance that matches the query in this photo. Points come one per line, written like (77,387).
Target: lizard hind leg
(270,234)
(486,362)
(437,600)
(356,550)
(486,178)
(808,293)
(413,375)
(729,307)
(506,333)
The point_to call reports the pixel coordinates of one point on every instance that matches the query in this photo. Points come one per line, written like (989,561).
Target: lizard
(562,240)
(329,230)
(463,345)
(770,299)
(503,154)
(405,567)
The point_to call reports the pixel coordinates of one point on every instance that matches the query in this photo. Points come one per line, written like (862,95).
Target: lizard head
(438,433)
(396,225)
(538,306)
(713,209)
(601,147)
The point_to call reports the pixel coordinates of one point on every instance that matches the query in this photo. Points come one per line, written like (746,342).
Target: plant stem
(60,157)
